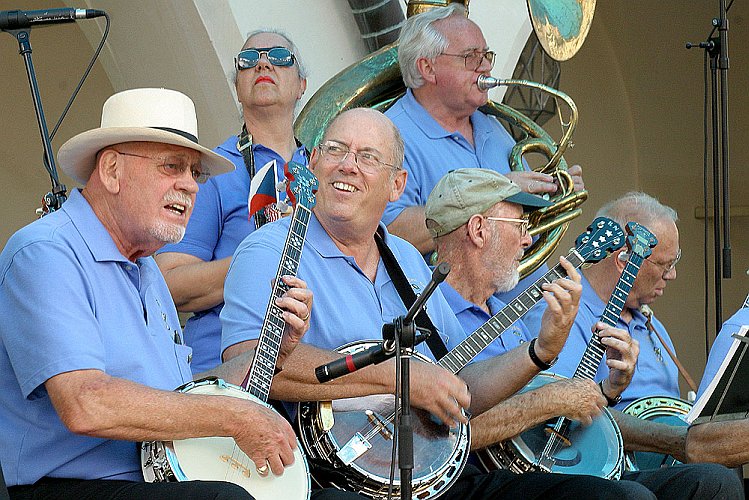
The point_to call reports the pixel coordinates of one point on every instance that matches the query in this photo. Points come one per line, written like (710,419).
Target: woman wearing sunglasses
(270,79)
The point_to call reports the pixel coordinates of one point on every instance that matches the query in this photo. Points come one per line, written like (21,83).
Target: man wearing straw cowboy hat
(94,349)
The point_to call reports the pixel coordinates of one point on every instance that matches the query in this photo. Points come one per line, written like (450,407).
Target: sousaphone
(376,82)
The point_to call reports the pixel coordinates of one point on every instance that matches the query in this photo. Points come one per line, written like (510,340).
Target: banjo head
(220,459)
(595,450)
(349,444)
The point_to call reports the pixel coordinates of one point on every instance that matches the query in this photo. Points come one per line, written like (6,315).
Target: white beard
(167,233)
(510,282)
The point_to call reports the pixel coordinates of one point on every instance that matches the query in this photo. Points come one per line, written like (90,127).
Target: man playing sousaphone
(441,55)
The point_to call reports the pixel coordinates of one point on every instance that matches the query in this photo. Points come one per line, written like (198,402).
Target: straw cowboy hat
(144,115)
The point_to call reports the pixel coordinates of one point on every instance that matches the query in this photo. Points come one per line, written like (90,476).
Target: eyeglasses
(669,266)
(277,56)
(474,60)
(522,222)
(367,162)
(173,166)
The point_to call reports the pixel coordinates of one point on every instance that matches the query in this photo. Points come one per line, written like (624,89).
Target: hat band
(182,133)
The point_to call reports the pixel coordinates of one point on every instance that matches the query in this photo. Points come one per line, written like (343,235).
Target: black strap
(434,341)
(244,145)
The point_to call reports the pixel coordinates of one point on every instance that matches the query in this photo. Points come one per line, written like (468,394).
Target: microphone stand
(403,330)
(717,49)
(56,197)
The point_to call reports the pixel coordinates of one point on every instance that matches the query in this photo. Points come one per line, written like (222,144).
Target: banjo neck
(484,335)
(263,364)
(301,187)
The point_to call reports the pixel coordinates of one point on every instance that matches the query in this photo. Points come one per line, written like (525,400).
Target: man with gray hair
(656,373)
(94,350)
(441,54)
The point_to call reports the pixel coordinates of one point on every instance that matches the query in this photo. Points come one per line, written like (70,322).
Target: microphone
(380,352)
(19,19)
(369,356)
(352,362)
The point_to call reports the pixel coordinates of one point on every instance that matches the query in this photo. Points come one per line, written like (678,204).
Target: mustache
(180,198)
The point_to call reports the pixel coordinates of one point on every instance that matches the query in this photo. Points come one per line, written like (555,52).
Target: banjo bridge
(380,424)
(235,464)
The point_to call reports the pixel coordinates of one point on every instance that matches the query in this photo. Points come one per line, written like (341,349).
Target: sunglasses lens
(247,59)
(280,56)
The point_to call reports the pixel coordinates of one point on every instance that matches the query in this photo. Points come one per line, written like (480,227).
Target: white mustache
(180,198)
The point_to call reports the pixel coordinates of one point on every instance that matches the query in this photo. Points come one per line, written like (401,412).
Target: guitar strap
(407,295)
(648,313)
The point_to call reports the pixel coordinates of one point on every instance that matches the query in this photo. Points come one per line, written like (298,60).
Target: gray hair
(420,39)
(638,207)
(300,67)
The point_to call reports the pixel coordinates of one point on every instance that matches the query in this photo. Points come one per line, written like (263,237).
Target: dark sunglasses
(277,56)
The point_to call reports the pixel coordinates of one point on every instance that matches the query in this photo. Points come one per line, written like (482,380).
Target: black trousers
(102,489)
(503,484)
(693,481)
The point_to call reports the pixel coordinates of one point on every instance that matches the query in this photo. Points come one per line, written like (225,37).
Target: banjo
(562,445)
(349,441)
(219,458)
(663,409)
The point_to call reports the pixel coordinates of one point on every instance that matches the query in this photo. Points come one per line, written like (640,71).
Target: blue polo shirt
(720,347)
(347,305)
(655,372)
(71,301)
(471,317)
(219,223)
(431,152)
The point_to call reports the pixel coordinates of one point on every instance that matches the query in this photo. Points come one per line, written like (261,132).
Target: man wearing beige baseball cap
(476,219)
(94,350)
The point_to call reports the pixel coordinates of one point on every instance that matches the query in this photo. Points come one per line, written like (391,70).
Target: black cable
(83,78)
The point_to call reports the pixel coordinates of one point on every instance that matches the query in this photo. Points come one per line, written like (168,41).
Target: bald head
(378,123)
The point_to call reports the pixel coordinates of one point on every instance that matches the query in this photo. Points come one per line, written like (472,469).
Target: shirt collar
(593,303)
(321,241)
(92,231)
(421,117)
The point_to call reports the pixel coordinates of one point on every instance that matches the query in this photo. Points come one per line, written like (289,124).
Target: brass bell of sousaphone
(376,82)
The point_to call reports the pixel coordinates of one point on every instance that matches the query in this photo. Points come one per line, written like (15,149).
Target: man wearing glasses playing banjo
(91,347)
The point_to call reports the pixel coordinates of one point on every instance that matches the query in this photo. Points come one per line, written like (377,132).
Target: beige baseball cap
(466,192)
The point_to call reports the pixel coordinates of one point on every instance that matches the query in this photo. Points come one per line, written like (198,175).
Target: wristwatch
(541,364)
(609,401)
